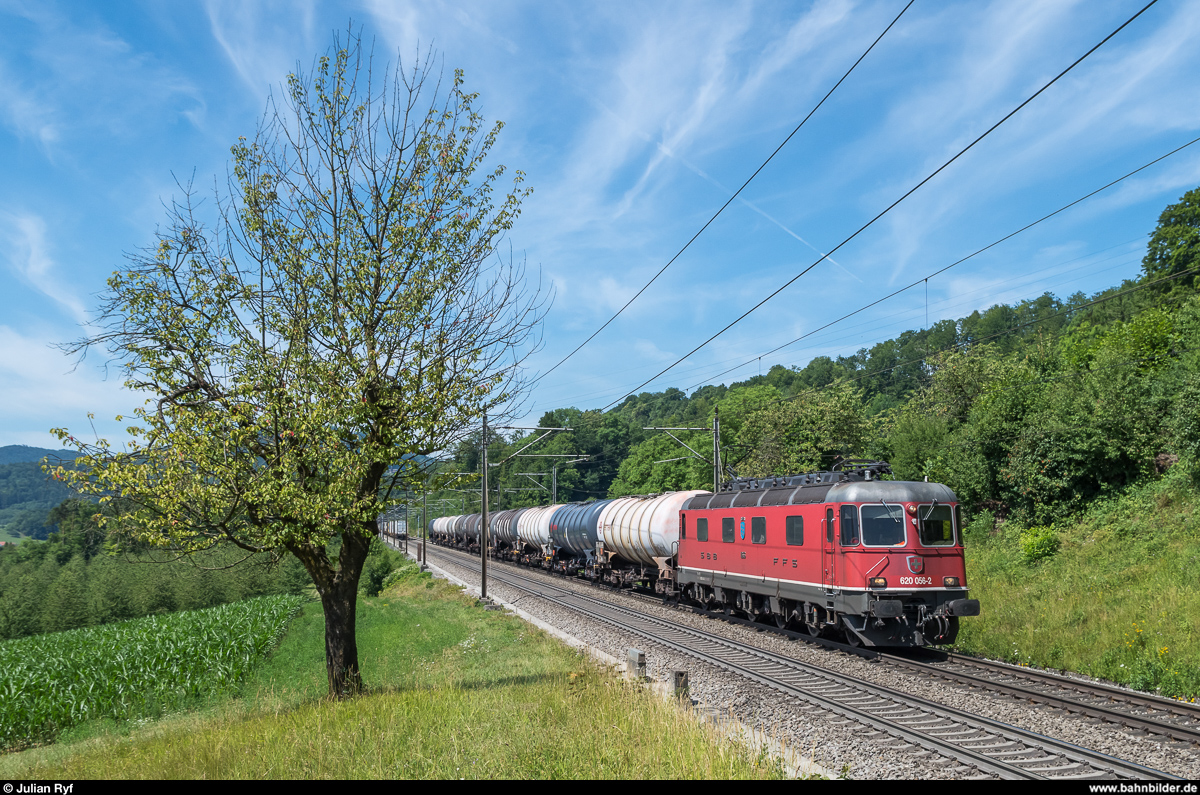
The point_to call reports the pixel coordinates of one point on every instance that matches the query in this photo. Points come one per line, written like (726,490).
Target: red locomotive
(842,551)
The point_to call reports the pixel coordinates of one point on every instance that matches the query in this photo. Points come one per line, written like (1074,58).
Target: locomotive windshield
(936,528)
(882,525)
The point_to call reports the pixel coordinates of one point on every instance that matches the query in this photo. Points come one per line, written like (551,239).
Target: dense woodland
(26,495)
(81,576)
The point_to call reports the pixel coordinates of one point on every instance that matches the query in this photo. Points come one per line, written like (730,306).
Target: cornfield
(132,669)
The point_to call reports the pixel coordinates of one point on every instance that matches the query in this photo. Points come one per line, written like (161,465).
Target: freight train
(843,553)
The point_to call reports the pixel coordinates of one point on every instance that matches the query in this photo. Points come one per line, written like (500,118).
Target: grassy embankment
(1119,599)
(457,692)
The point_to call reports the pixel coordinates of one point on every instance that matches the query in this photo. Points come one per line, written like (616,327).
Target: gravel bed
(831,741)
(838,746)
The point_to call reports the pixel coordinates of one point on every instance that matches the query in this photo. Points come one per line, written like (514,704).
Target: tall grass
(456,692)
(1118,599)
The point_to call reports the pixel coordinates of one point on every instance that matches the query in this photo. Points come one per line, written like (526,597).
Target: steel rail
(1073,703)
(981,742)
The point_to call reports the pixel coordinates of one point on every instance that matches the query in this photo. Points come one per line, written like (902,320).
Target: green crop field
(133,669)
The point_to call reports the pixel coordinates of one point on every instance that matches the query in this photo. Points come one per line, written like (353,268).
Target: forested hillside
(82,575)
(27,495)
(1028,411)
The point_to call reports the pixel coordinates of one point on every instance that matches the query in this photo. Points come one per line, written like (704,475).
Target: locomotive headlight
(950,582)
(877,582)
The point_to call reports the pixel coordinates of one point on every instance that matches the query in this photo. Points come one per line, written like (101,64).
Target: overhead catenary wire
(1020,384)
(1024,279)
(940,271)
(888,209)
(730,200)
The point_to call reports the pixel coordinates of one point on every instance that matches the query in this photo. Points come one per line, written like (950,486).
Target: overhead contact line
(730,200)
(940,271)
(888,209)
(1006,331)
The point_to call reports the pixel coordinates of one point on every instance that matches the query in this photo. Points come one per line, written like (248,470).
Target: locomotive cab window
(683,526)
(758,530)
(794,530)
(883,525)
(936,525)
(848,519)
(701,529)
(727,529)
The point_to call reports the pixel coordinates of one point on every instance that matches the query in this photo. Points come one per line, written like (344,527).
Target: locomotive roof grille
(850,470)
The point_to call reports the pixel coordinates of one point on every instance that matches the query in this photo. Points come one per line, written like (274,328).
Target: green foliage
(53,585)
(914,442)
(1039,542)
(381,562)
(457,692)
(27,495)
(342,313)
(132,669)
(1116,601)
(1175,243)
(979,530)
(807,433)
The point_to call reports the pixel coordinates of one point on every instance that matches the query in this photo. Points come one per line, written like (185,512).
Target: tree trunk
(338,589)
(341,645)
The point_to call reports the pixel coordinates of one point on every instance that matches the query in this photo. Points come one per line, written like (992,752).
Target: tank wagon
(839,553)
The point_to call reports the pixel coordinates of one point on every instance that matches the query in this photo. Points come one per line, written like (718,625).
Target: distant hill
(21,454)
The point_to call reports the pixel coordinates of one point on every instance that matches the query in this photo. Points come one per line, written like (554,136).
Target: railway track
(982,746)
(1176,720)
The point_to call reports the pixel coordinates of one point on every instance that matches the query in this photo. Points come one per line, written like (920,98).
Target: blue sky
(634,122)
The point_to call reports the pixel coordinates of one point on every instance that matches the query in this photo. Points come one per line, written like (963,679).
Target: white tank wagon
(502,528)
(437,527)
(533,526)
(645,531)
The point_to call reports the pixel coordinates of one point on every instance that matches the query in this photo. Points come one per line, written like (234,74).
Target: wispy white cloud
(263,41)
(40,390)
(64,81)
(1174,180)
(29,257)
(25,112)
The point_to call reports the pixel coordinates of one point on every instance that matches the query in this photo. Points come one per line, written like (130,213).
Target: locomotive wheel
(780,620)
(813,627)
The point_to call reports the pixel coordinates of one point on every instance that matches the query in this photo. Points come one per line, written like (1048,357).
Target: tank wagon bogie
(879,562)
